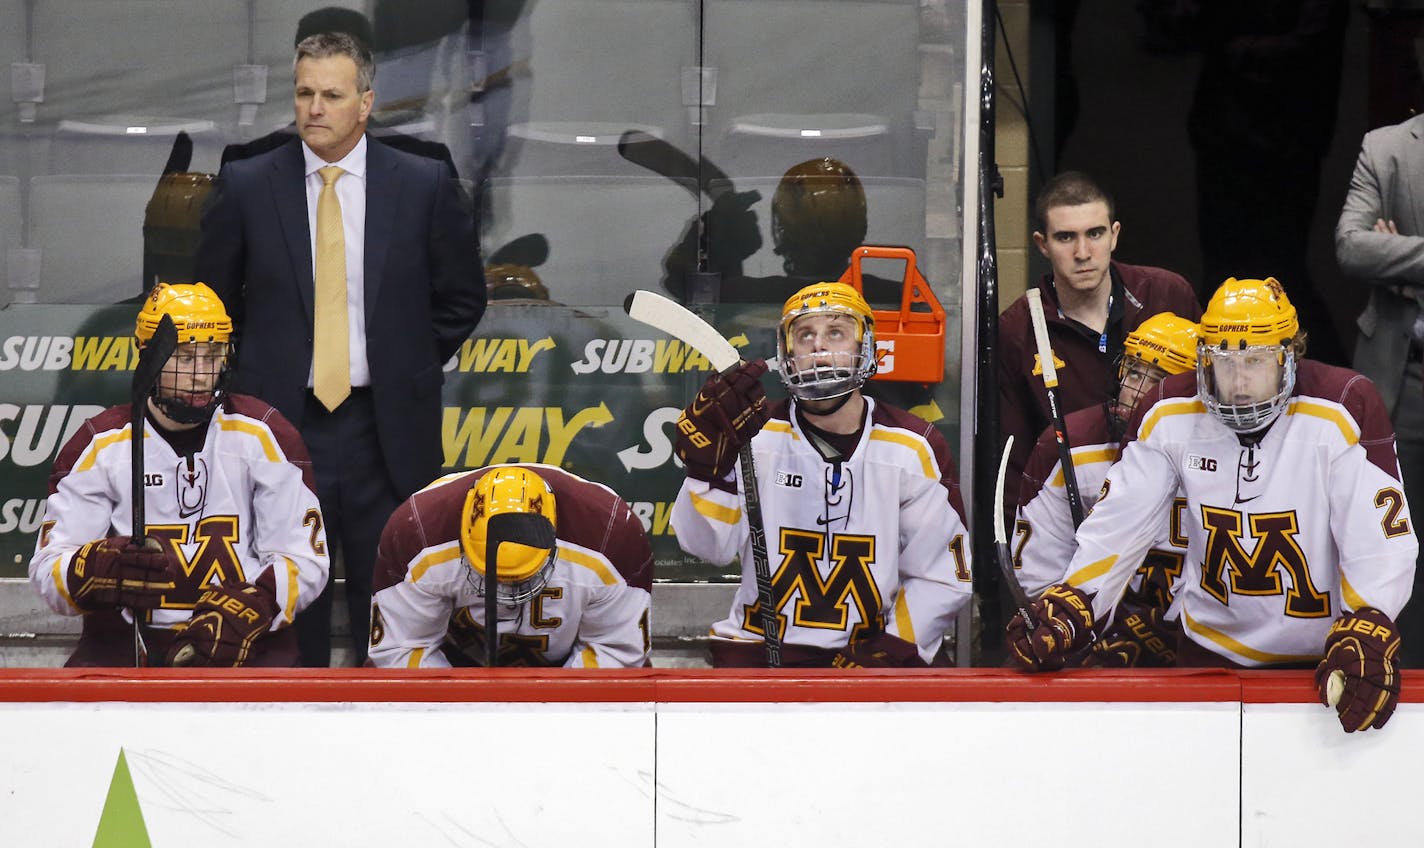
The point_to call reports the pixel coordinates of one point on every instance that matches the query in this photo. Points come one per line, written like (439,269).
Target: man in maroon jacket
(1090,302)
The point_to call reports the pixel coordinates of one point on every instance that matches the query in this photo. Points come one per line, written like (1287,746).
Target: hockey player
(860,501)
(1163,344)
(1300,546)
(584,603)
(228,496)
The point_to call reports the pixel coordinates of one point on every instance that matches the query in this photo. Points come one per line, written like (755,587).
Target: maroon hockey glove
(728,411)
(879,651)
(1138,638)
(226,621)
(1064,616)
(114,572)
(1363,645)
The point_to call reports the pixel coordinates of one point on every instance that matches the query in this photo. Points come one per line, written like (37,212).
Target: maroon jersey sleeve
(288,439)
(1361,399)
(595,517)
(113,418)
(893,416)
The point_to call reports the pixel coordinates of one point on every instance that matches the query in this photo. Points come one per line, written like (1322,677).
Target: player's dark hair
(1070,188)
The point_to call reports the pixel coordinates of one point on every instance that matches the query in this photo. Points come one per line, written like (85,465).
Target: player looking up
(228,495)
(1300,549)
(1162,345)
(584,603)
(860,500)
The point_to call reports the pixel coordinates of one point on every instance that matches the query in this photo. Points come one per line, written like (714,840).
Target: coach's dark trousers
(357,497)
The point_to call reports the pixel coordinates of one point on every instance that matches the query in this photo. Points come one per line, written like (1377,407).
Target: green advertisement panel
(583,388)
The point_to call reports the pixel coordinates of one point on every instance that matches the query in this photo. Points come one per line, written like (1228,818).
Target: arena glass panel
(724,94)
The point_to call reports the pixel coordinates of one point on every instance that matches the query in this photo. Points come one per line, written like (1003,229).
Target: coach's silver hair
(324,45)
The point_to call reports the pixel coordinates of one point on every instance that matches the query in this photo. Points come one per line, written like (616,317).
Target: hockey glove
(1138,638)
(728,411)
(1363,645)
(226,621)
(1064,618)
(115,572)
(879,651)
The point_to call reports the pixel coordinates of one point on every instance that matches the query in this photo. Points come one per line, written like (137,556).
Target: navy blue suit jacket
(424,289)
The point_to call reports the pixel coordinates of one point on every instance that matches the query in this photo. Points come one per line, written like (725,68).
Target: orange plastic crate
(909,342)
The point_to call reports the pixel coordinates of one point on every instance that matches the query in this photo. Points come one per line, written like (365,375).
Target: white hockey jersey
(1045,539)
(1283,536)
(243,507)
(594,611)
(875,542)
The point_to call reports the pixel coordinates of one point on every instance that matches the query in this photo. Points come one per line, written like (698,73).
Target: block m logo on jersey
(1258,573)
(215,560)
(822,602)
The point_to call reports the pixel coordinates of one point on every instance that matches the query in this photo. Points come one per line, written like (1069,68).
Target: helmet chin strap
(835,407)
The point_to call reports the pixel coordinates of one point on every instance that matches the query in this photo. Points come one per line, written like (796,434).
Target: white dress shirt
(351,192)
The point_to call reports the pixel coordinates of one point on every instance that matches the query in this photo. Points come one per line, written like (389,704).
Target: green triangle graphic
(121,823)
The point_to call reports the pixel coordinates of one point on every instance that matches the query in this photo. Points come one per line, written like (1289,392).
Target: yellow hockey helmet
(826,374)
(194,380)
(1165,340)
(196,310)
(521,570)
(1246,357)
(1243,313)
(1163,344)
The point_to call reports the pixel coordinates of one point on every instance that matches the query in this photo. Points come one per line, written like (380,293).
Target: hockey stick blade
(1001,545)
(683,324)
(524,528)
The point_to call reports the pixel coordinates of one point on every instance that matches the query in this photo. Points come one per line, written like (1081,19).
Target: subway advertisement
(587,389)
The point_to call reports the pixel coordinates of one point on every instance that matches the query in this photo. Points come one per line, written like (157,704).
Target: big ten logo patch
(1200,463)
(789,480)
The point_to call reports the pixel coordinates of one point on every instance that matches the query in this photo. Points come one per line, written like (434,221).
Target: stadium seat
(895,215)
(130,144)
(89,230)
(788,90)
(596,69)
(105,59)
(607,235)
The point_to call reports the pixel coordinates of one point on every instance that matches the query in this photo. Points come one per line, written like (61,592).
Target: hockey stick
(681,323)
(150,364)
(1050,385)
(660,157)
(1024,607)
(525,528)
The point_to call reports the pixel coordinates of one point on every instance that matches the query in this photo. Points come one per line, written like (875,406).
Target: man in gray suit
(1380,241)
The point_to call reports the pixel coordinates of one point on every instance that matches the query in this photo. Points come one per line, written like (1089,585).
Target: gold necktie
(331,346)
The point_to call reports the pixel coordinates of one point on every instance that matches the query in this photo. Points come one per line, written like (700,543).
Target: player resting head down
(563,562)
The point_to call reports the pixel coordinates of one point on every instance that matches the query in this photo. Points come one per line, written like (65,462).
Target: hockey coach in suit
(353,273)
